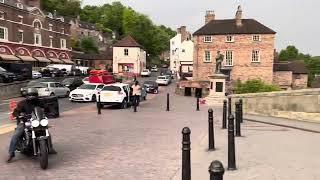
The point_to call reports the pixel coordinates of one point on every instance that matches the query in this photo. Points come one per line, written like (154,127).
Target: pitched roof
(127,42)
(87,25)
(104,55)
(228,26)
(297,67)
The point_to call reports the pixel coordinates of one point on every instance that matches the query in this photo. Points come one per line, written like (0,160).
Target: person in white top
(136,92)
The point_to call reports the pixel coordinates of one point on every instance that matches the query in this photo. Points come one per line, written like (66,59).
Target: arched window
(37,24)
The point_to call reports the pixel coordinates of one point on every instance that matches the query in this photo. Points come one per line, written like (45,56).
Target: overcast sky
(296,22)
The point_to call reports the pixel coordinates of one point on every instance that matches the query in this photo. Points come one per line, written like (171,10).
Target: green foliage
(254,86)
(88,45)
(313,65)
(70,8)
(75,44)
(290,53)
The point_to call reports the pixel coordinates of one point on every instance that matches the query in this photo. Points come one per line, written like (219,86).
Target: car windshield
(162,77)
(3,70)
(43,84)
(111,88)
(67,81)
(145,70)
(88,86)
(149,82)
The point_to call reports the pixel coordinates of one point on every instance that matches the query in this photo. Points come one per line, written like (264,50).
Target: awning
(68,61)
(9,57)
(56,60)
(43,59)
(27,58)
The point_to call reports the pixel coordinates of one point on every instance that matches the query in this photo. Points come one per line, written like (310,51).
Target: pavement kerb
(7,128)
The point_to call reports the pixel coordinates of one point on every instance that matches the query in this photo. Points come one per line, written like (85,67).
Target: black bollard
(186,163)
(99,104)
(198,108)
(216,170)
(224,118)
(168,102)
(231,145)
(241,110)
(229,106)
(211,130)
(238,122)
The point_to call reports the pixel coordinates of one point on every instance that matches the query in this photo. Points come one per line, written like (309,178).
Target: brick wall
(243,69)
(283,79)
(300,81)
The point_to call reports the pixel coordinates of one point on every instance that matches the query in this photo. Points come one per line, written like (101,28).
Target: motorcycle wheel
(43,154)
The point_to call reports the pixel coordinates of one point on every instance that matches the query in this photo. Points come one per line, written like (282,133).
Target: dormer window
(256,38)
(19,5)
(50,15)
(230,38)
(37,24)
(207,39)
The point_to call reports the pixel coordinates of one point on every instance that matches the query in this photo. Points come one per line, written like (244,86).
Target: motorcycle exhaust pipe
(34,143)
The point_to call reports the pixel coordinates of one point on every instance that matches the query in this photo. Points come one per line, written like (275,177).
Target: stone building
(28,34)
(247,46)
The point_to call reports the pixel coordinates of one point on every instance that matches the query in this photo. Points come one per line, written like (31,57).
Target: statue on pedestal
(219,60)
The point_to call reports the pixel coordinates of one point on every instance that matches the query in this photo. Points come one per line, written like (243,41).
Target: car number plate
(107,94)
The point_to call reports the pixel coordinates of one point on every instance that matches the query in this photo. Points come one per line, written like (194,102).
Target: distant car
(76,72)
(85,80)
(36,75)
(72,83)
(6,77)
(164,66)
(169,77)
(52,72)
(163,80)
(116,94)
(53,89)
(151,87)
(154,69)
(86,92)
(146,72)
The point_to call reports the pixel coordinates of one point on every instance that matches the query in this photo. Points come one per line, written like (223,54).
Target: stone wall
(294,104)
(11,90)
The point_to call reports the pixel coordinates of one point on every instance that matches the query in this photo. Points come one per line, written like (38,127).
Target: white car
(163,80)
(86,92)
(146,72)
(154,69)
(36,75)
(53,89)
(115,94)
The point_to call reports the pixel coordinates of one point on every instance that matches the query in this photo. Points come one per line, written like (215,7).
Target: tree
(70,8)
(254,86)
(290,53)
(88,45)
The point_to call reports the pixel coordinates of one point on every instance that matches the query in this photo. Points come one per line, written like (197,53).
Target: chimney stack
(209,16)
(239,16)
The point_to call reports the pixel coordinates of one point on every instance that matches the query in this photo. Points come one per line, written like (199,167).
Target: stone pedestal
(217,90)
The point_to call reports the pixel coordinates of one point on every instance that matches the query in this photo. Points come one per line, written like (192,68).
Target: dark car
(52,72)
(6,77)
(72,83)
(151,87)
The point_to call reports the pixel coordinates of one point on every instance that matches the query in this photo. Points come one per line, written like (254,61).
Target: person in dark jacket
(25,107)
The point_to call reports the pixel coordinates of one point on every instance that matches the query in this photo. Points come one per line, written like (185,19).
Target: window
(37,39)
(230,38)
(207,56)
(50,27)
(19,5)
(20,36)
(126,52)
(2,15)
(256,38)
(207,39)
(255,56)
(20,19)
(62,30)
(63,43)
(51,41)
(37,24)
(3,33)
(229,58)
(183,50)
(172,42)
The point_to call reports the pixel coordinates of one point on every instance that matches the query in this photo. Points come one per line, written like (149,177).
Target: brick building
(247,46)
(28,34)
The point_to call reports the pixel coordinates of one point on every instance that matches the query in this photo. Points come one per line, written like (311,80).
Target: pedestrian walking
(136,92)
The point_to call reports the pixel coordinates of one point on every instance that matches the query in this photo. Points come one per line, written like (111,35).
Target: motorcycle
(34,142)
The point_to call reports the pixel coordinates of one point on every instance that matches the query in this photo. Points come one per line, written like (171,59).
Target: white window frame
(20,6)
(228,39)
(21,19)
(229,58)
(3,15)
(63,43)
(50,41)
(1,1)
(40,39)
(50,27)
(5,34)
(22,38)
(207,56)
(207,39)
(37,21)
(126,52)
(254,38)
(255,56)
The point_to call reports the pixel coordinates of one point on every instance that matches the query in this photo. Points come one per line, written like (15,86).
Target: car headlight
(35,123)
(44,122)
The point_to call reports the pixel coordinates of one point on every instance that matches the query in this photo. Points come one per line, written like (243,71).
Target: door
(60,90)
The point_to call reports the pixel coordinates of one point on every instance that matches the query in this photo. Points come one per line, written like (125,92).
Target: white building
(129,57)
(181,51)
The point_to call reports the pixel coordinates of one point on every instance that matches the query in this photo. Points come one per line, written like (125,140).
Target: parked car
(52,72)
(169,77)
(154,69)
(86,92)
(76,72)
(85,80)
(67,68)
(143,95)
(146,72)
(34,84)
(72,83)
(53,89)
(151,87)
(36,75)
(163,80)
(6,77)
(116,94)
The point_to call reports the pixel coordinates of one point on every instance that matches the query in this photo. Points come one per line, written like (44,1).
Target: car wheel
(52,94)
(156,91)
(94,98)
(67,94)
(124,104)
